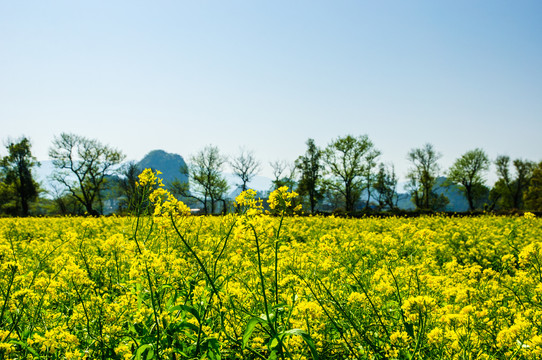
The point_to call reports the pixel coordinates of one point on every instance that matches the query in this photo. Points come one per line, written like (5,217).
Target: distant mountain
(458,202)
(168,164)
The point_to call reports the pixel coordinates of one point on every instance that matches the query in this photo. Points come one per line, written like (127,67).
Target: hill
(453,192)
(169,164)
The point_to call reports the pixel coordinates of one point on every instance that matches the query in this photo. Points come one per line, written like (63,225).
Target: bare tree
(283,174)
(205,176)
(83,165)
(245,166)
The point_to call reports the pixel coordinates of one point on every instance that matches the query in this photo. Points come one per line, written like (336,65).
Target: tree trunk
(469,197)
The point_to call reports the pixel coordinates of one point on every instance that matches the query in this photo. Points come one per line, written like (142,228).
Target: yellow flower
(248,199)
(399,338)
(6,348)
(281,199)
(148,178)
(435,335)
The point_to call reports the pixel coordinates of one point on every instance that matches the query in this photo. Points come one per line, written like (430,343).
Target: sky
(268,75)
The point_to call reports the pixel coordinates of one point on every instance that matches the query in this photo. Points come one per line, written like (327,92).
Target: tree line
(344,176)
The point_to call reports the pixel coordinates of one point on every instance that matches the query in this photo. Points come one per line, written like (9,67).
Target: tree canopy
(208,185)
(347,159)
(83,165)
(18,185)
(311,167)
(422,178)
(469,171)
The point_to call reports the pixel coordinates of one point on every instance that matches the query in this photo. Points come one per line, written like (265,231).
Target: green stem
(273,332)
(277,259)
(335,325)
(223,247)
(372,304)
(198,260)
(13,271)
(156,320)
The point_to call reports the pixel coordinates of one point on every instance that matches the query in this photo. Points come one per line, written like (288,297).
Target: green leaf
(150,354)
(280,306)
(186,308)
(306,337)
(213,347)
(142,349)
(26,347)
(250,328)
(193,327)
(273,342)
(165,286)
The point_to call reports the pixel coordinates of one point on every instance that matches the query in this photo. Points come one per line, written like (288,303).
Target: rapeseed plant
(166,285)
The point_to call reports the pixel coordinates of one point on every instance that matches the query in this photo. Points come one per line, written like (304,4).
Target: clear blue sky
(267,75)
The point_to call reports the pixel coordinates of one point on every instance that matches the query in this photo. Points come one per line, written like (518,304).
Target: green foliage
(468,171)
(508,191)
(311,167)
(386,187)
(422,178)
(19,188)
(348,159)
(533,195)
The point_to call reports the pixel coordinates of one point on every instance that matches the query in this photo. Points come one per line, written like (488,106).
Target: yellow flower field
(167,285)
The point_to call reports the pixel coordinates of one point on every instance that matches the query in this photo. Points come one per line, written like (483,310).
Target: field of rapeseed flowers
(166,285)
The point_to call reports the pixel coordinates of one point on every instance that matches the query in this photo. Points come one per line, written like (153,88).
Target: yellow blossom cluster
(395,288)
(282,199)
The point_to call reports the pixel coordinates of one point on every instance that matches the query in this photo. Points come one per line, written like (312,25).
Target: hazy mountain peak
(169,164)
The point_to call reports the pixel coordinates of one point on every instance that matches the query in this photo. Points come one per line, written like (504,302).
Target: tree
(127,186)
(310,166)
(533,195)
(423,176)
(279,179)
(369,175)
(205,174)
(469,171)
(386,187)
(83,165)
(245,166)
(508,191)
(347,159)
(62,203)
(17,172)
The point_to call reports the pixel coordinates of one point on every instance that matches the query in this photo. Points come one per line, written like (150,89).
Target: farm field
(257,286)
